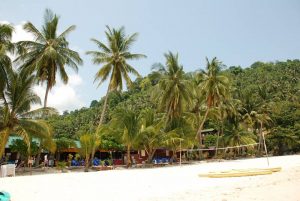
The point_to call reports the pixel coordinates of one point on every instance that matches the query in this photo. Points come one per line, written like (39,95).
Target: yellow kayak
(273,169)
(241,172)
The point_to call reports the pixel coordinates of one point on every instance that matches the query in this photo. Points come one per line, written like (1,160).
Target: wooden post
(263,136)
(180,154)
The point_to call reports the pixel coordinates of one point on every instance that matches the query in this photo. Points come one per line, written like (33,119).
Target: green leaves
(114,57)
(48,53)
(173,91)
(16,116)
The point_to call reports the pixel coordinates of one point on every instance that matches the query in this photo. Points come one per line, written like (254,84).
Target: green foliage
(49,53)
(252,99)
(61,165)
(21,147)
(238,136)
(111,142)
(114,57)
(88,144)
(173,91)
(6,46)
(282,140)
(64,143)
(15,114)
(210,140)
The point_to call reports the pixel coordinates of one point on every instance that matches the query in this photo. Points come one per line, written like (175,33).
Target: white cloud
(75,80)
(20,34)
(62,97)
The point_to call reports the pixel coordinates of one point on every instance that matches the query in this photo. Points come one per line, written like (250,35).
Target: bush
(61,165)
(210,140)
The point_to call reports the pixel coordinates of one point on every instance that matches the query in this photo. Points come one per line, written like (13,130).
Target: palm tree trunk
(57,156)
(101,120)
(128,156)
(217,145)
(199,135)
(46,95)
(150,156)
(38,157)
(103,110)
(86,166)
(174,156)
(260,144)
(4,138)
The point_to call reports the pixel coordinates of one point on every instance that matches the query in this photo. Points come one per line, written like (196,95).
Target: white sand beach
(168,183)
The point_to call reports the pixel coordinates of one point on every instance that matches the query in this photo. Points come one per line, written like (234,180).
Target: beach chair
(8,170)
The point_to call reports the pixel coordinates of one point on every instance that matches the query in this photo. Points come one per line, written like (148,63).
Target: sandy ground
(168,183)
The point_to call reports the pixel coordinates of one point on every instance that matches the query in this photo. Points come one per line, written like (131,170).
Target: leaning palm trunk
(150,156)
(46,96)
(100,122)
(150,153)
(103,110)
(199,135)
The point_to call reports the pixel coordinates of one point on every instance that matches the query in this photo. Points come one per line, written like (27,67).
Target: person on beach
(46,161)
(30,161)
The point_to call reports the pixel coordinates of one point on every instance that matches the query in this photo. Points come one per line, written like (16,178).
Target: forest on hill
(266,93)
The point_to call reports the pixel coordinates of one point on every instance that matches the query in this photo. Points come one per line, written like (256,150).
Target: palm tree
(214,87)
(87,142)
(151,132)
(49,53)
(258,122)
(227,113)
(237,137)
(126,121)
(5,62)
(180,135)
(114,59)
(173,91)
(16,116)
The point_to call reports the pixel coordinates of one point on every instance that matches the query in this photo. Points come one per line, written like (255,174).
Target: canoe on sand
(241,172)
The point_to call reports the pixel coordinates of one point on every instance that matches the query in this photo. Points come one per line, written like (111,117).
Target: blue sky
(237,32)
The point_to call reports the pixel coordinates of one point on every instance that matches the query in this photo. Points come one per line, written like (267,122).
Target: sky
(236,32)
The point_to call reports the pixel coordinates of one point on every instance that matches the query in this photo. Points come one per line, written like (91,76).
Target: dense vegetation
(167,108)
(271,89)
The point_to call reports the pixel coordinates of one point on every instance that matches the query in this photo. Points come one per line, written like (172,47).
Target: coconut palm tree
(126,121)
(87,142)
(114,59)
(151,132)
(5,47)
(214,87)
(49,53)
(16,116)
(227,113)
(258,122)
(173,90)
(236,137)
